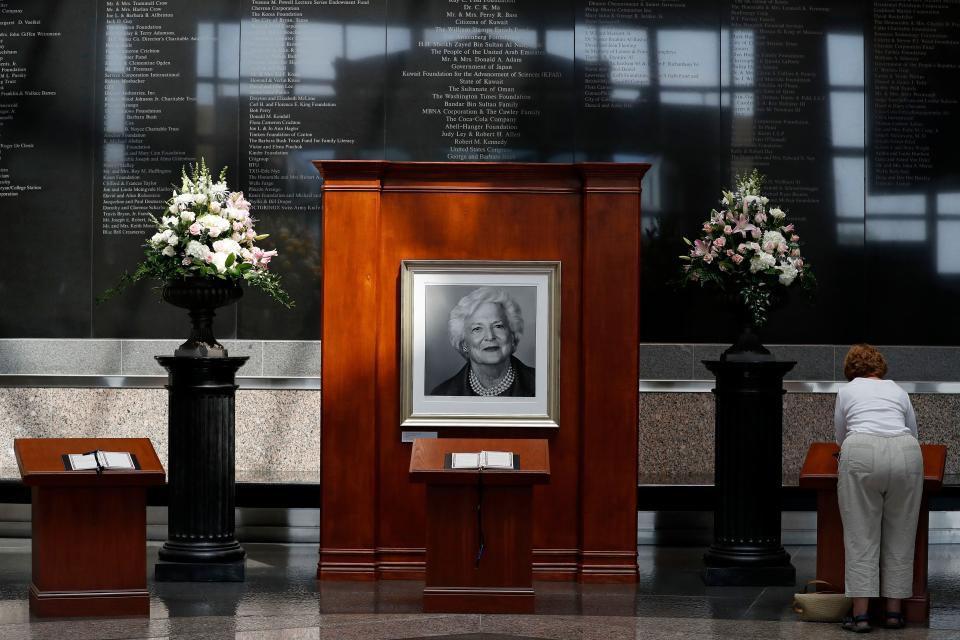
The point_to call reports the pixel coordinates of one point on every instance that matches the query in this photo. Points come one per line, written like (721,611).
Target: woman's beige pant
(879,490)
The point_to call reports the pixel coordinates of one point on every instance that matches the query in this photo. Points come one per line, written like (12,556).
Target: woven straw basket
(823,605)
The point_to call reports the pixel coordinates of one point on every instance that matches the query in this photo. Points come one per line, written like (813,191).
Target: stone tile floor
(281,600)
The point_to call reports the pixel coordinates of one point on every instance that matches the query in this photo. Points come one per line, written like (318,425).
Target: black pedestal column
(747,549)
(201,541)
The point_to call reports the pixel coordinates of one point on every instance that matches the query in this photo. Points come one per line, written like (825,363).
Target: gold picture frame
(438,386)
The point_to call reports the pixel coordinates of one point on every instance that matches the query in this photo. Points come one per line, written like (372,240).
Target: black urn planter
(748,468)
(201,297)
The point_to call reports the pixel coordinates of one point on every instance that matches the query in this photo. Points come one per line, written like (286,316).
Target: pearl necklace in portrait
(502,385)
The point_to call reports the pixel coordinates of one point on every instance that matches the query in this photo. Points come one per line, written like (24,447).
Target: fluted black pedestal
(748,472)
(201,542)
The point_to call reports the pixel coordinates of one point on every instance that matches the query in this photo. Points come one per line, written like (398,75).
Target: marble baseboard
(277,431)
(677,432)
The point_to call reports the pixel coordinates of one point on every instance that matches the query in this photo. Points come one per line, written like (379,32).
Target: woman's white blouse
(877,407)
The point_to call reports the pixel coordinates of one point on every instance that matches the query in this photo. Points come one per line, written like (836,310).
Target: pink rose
(789,227)
(730,253)
(706,227)
(756,234)
(794,238)
(798,264)
(795,253)
(727,230)
(209,258)
(737,258)
(213,232)
(195,229)
(719,242)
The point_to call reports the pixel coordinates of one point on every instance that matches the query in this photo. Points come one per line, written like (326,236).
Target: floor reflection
(282,600)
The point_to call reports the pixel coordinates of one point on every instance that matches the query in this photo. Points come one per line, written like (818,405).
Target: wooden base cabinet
(89,530)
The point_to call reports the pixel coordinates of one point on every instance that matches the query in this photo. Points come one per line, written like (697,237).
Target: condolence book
(483,460)
(100,460)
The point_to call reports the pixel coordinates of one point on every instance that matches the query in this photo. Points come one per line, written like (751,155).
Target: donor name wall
(848,107)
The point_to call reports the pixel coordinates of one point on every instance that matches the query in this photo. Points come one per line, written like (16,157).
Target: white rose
(169,221)
(169,251)
(188,216)
(219,261)
(157,238)
(200,198)
(226,246)
(212,222)
(184,198)
(172,240)
(215,206)
(777,213)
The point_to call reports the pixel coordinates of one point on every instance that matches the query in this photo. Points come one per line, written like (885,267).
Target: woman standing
(879,488)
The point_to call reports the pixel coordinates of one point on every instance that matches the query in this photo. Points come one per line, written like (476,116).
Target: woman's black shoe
(893,620)
(857,624)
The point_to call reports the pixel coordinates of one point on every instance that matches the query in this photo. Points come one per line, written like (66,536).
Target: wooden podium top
(427,460)
(820,468)
(41,464)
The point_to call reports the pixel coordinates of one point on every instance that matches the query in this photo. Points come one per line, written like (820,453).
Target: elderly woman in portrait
(879,487)
(485,328)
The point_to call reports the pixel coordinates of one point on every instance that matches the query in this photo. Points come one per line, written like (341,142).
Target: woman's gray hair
(468,305)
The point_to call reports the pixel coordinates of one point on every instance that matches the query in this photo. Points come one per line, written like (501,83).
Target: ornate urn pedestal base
(747,548)
(201,545)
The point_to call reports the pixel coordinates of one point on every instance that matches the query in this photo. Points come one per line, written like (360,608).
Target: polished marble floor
(281,600)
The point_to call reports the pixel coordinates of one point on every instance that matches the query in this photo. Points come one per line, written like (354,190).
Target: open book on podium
(482,460)
(100,461)
(509,460)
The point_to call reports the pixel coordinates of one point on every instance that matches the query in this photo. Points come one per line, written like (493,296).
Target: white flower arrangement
(748,249)
(206,231)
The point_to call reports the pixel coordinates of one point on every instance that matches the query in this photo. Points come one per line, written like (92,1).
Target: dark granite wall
(848,106)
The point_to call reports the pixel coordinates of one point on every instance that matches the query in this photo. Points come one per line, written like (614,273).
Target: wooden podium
(378,214)
(820,472)
(461,504)
(89,529)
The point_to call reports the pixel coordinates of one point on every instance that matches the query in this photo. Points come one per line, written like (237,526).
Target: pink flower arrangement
(767,259)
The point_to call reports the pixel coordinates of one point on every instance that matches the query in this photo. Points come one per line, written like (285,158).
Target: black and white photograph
(480,343)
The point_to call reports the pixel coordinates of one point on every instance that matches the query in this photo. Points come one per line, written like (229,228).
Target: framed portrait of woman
(480,343)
